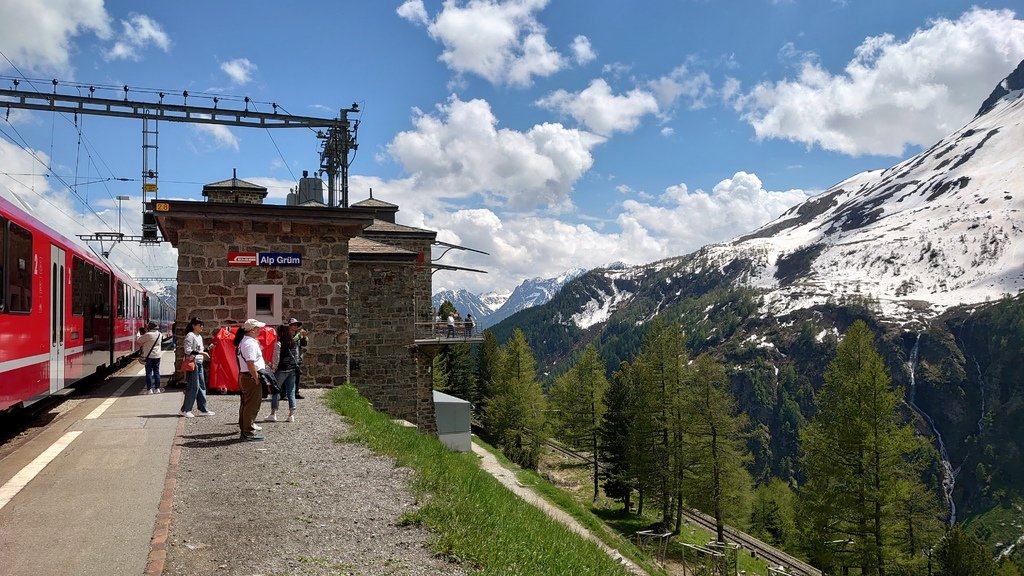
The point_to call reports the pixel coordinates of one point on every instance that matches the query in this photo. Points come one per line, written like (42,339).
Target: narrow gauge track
(773,556)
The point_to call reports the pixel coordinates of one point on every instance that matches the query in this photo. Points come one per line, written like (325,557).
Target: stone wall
(317,292)
(382,309)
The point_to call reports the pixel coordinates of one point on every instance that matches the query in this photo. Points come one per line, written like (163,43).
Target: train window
(120,300)
(3,263)
(78,294)
(19,269)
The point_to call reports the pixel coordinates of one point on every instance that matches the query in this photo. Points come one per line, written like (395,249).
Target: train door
(57,310)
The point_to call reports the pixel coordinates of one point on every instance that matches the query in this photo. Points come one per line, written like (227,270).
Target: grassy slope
(476,520)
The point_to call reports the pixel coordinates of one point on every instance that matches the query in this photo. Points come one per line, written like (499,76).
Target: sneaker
(256,426)
(271,418)
(291,418)
(208,413)
(298,396)
(187,414)
(157,391)
(251,437)
(149,391)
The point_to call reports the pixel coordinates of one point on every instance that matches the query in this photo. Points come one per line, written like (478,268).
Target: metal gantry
(338,134)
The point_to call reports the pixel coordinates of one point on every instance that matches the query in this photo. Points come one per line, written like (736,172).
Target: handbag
(142,359)
(188,364)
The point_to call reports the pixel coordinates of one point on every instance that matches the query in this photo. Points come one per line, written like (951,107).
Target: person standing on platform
(285,365)
(195,381)
(303,341)
(468,325)
(150,351)
(250,362)
(451,325)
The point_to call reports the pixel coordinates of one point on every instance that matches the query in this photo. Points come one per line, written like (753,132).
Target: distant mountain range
(492,307)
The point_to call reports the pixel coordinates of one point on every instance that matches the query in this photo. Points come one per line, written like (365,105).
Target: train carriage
(66,314)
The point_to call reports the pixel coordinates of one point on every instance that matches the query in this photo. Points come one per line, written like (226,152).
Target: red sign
(242,258)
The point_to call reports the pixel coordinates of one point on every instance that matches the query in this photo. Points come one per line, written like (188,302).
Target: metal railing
(442,332)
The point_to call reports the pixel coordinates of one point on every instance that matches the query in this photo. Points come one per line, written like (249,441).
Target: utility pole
(339,134)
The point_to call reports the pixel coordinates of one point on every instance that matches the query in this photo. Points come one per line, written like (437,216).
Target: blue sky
(550,133)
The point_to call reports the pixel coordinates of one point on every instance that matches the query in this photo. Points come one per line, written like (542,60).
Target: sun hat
(252,323)
(294,321)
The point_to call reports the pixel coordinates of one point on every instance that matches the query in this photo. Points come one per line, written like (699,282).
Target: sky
(550,134)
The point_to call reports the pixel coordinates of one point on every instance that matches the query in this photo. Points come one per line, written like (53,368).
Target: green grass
(581,512)
(474,519)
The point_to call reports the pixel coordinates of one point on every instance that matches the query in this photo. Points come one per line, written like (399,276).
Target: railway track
(775,557)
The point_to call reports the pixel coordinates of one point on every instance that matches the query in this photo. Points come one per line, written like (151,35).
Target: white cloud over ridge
(138,33)
(461,152)
(240,70)
(37,36)
(893,93)
(501,42)
(604,112)
(597,108)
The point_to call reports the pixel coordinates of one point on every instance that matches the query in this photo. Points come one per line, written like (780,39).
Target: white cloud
(582,51)
(37,36)
(277,188)
(681,82)
(683,221)
(461,152)
(138,33)
(501,42)
(240,70)
(893,93)
(413,11)
(597,108)
(221,135)
(528,245)
(601,111)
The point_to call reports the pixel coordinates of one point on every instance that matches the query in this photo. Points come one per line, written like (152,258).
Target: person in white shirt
(250,362)
(195,381)
(150,351)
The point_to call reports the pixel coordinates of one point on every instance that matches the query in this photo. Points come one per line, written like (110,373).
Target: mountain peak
(1012,83)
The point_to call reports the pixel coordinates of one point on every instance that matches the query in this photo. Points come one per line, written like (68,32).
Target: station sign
(264,259)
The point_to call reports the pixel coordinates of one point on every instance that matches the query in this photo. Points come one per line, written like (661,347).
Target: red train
(66,314)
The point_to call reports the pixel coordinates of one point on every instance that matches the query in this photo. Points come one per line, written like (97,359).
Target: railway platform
(82,493)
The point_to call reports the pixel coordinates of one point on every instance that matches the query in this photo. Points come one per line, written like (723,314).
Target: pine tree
(578,400)
(615,431)
(453,372)
(515,410)
(488,360)
(858,460)
(662,359)
(959,554)
(715,436)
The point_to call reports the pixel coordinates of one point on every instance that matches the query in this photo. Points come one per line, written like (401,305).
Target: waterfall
(948,472)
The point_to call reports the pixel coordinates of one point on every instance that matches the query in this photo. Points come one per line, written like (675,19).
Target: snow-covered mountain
(943,228)
(530,293)
(464,301)
(492,307)
(495,299)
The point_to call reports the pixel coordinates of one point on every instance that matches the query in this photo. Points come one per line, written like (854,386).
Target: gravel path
(298,503)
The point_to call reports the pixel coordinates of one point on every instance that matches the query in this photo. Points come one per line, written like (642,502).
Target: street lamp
(119,199)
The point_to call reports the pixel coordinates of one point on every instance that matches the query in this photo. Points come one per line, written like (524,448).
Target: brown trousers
(252,397)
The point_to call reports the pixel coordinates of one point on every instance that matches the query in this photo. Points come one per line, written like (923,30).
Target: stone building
(359,281)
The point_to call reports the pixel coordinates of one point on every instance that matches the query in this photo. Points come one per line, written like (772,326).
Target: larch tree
(577,398)
(719,483)
(858,461)
(515,410)
(662,358)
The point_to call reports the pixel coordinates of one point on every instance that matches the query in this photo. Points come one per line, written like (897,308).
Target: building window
(264,303)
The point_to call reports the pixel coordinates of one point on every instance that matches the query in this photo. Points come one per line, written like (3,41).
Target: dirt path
(508,478)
